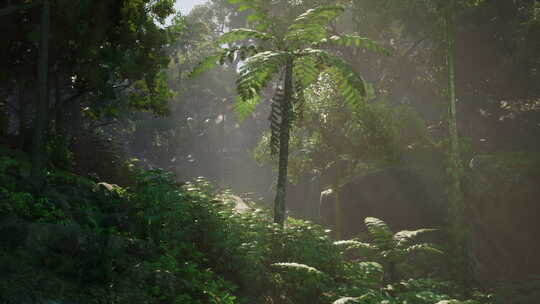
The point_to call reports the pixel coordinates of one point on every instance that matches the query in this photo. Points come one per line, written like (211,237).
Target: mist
(246,151)
(387,159)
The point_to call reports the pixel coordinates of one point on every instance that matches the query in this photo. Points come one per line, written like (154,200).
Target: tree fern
(285,52)
(392,248)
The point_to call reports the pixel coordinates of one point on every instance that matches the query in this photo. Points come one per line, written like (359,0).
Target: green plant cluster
(158,241)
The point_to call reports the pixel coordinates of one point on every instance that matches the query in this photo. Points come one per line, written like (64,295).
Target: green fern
(269,52)
(392,248)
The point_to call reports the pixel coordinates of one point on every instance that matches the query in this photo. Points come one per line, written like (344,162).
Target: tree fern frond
(299,101)
(257,71)
(259,18)
(242,34)
(225,54)
(310,26)
(321,15)
(253,76)
(244,107)
(206,64)
(353,40)
(351,86)
(305,70)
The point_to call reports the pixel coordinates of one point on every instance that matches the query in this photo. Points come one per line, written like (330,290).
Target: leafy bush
(158,241)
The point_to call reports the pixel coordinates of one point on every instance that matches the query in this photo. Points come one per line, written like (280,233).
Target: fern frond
(305,70)
(353,40)
(405,236)
(297,266)
(299,101)
(206,64)
(253,76)
(351,86)
(425,247)
(353,244)
(225,54)
(380,232)
(242,34)
(259,18)
(310,26)
(346,300)
(257,71)
(244,107)
(360,299)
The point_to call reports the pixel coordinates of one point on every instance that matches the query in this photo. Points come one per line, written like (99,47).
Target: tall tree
(294,54)
(42,108)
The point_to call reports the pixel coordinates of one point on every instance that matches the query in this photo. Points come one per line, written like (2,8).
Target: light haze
(185,6)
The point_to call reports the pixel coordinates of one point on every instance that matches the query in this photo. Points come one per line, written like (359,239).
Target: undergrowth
(156,241)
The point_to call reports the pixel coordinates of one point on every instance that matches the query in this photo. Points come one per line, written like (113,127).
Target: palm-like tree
(294,56)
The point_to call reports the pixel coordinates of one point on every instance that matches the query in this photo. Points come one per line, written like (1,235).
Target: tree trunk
(22,116)
(40,123)
(284,130)
(59,117)
(337,213)
(458,225)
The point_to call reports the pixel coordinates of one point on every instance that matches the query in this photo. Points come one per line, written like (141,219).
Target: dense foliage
(104,134)
(157,241)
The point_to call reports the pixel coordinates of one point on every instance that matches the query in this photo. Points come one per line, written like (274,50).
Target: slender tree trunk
(338,212)
(458,225)
(59,117)
(40,123)
(285,126)
(22,115)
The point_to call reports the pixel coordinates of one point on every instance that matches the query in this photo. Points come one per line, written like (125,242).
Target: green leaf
(353,40)
(346,300)
(257,71)
(380,232)
(310,26)
(297,266)
(425,247)
(353,244)
(244,107)
(207,64)
(242,34)
(351,86)
(405,236)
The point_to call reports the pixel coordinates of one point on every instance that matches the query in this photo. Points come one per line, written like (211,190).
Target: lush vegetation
(160,242)
(400,163)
